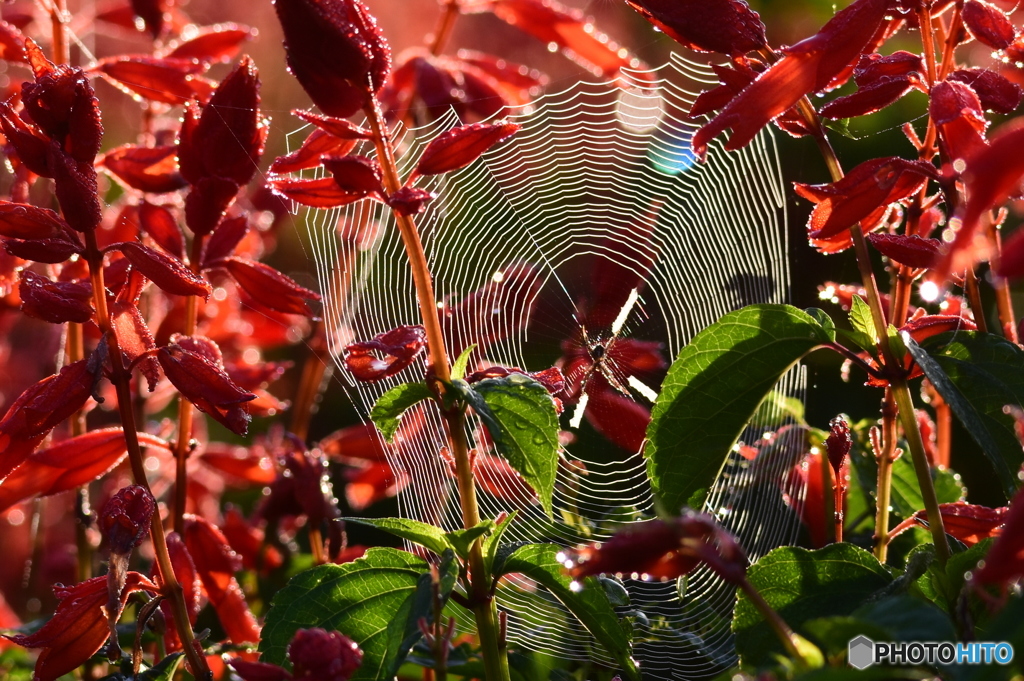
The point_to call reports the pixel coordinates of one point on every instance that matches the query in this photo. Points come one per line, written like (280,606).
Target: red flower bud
(838,443)
(400,346)
(355,173)
(324,656)
(336,52)
(205,385)
(54,301)
(912,251)
(988,24)
(410,200)
(148,169)
(727,26)
(125,518)
(664,549)
(61,102)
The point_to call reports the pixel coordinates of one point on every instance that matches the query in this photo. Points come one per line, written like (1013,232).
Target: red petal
(171,81)
(992,175)
(932,325)
(39,409)
(258,671)
(239,463)
(169,273)
(1011,261)
(614,277)
(727,26)
(12,44)
(159,223)
(551,22)
(79,626)
(367,485)
(617,417)
(400,346)
(355,443)
(322,192)
(216,564)
(249,543)
(54,301)
(995,92)
(518,83)
(956,110)
(225,238)
(988,24)
(76,190)
(473,320)
(206,204)
(269,287)
(43,250)
(69,464)
(912,251)
(495,476)
(30,147)
(214,44)
(148,169)
(319,143)
(230,136)
(967,522)
(869,99)
(206,386)
(338,127)
(808,66)
(25,221)
(355,174)
(459,147)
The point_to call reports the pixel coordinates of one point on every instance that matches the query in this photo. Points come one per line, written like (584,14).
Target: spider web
(520,227)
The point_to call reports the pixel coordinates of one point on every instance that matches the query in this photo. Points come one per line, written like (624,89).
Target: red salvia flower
(56,302)
(399,347)
(862,196)
(79,627)
(148,169)
(336,52)
(410,200)
(664,549)
(809,66)
(957,113)
(40,409)
(969,523)
(995,91)
(206,385)
(988,24)
(912,251)
(727,26)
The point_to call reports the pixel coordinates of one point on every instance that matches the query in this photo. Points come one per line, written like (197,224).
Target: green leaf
(387,412)
(906,492)
(803,585)
(459,367)
(462,540)
(860,318)
(376,601)
(979,374)
(164,671)
(777,410)
(521,419)
(493,541)
(823,319)
(712,390)
(589,604)
(427,536)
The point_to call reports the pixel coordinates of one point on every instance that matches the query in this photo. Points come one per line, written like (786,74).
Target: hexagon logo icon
(861,653)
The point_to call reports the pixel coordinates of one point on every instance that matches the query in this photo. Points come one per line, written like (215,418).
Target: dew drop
(575,587)
(929,291)
(552,47)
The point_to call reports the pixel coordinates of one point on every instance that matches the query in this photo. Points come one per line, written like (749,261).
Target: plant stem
(974,296)
(885,456)
(1004,302)
(75,350)
(121,380)
(452,10)
(484,608)
(924,476)
(59,32)
(183,444)
(313,370)
(778,625)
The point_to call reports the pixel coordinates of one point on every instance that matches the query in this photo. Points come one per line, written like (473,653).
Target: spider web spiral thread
(589,161)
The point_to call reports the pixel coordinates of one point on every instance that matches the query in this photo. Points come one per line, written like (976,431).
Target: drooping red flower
(988,24)
(399,347)
(912,251)
(881,80)
(727,26)
(336,52)
(969,523)
(206,385)
(957,113)
(863,196)
(664,549)
(809,66)
(39,409)
(79,626)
